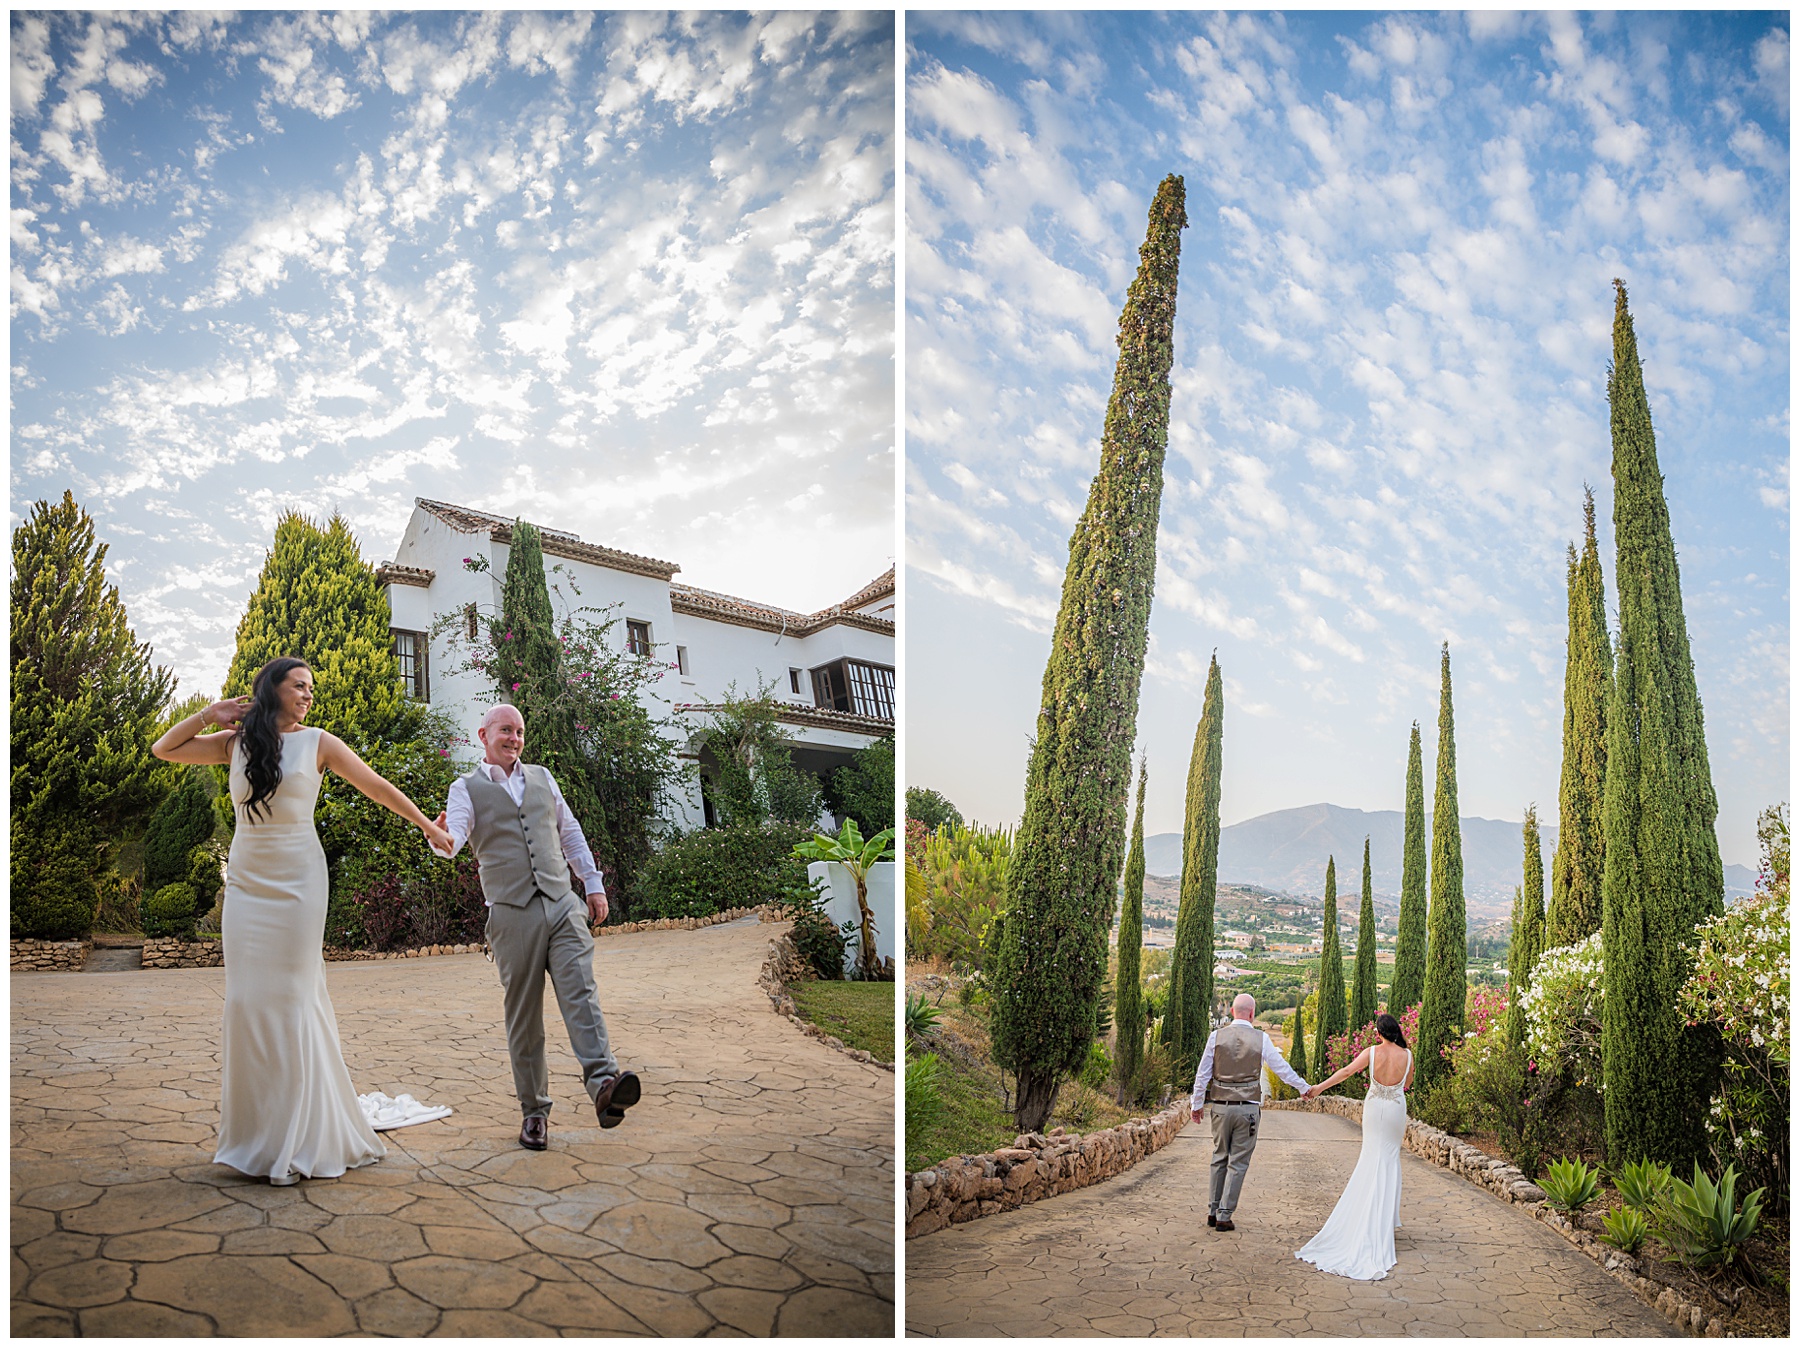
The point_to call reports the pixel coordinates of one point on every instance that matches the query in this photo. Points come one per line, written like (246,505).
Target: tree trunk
(1037,1097)
(866,957)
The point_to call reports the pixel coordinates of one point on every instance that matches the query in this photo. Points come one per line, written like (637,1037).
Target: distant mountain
(1286,851)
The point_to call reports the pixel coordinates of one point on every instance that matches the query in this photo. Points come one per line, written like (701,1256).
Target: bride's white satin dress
(287,1103)
(1357,1240)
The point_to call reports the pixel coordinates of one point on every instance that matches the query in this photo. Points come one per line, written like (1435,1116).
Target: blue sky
(627,275)
(1390,378)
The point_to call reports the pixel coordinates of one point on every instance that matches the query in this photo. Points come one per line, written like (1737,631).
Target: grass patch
(861,1014)
(974,1116)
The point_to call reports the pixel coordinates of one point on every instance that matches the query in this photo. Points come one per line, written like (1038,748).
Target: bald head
(1243,1006)
(502,735)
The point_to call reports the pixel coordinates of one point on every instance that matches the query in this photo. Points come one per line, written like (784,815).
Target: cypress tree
(1362,991)
(1661,873)
(1051,960)
(1587,684)
(1446,954)
(1297,1058)
(181,823)
(529,669)
(84,703)
(1527,941)
(316,598)
(1128,993)
(1191,966)
(1408,988)
(1333,1017)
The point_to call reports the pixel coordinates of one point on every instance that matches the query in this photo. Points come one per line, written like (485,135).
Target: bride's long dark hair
(261,732)
(1389,1029)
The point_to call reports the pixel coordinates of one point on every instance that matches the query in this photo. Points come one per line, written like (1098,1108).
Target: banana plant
(857,855)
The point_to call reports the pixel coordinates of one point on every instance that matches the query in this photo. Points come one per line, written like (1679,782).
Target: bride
(288,1110)
(1357,1240)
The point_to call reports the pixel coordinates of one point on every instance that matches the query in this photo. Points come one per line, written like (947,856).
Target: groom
(1230,1079)
(524,837)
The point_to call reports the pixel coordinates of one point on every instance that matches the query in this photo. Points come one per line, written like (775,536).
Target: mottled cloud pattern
(630,275)
(1390,384)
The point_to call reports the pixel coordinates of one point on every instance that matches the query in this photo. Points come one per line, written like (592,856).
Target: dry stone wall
(1508,1182)
(1037,1165)
(29,957)
(171,952)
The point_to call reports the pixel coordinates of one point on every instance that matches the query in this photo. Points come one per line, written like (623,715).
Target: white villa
(833,670)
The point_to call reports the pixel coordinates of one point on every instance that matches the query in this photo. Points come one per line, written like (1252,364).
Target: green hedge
(700,873)
(170,911)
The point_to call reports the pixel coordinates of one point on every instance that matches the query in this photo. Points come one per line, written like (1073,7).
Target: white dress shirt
(459,818)
(1271,1057)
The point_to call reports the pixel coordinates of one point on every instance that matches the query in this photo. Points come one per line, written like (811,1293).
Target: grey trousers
(1234,1138)
(548,936)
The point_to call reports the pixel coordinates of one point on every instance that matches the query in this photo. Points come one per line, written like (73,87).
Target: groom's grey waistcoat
(517,846)
(1237,1065)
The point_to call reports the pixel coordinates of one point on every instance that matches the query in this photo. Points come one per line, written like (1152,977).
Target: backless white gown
(1357,1240)
(287,1103)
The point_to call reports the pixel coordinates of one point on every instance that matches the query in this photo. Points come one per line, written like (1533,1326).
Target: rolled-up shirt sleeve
(1203,1074)
(459,816)
(574,844)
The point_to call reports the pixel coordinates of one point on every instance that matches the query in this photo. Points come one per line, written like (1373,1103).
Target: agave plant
(1625,1228)
(1702,1222)
(1640,1182)
(856,854)
(1570,1185)
(921,1015)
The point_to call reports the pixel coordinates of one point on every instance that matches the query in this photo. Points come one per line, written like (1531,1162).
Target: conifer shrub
(204,874)
(1408,987)
(702,872)
(182,822)
(171,911)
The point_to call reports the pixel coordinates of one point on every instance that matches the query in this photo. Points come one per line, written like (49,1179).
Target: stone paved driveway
(1133,1256)
(752,1191)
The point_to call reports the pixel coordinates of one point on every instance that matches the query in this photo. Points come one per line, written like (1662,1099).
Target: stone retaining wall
(1035,1166)
(171,952)
(1508,1182)
(29,957)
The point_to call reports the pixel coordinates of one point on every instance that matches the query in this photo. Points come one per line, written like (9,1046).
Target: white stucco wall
(842,906)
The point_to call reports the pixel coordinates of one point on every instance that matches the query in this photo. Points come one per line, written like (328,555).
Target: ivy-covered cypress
(1051,958)
(1662,873)
(528,666)
(1587,683)
(1191,965)
(1128,992)
(1446,954)
(1334,1017)
(1408,988)
(1527,941)
(1363,992)
(85,697)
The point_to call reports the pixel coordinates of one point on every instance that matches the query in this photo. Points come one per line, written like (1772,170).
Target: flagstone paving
(1134,1256)
(751,1192)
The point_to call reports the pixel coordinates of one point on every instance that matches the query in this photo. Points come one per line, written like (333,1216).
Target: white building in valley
(833,671)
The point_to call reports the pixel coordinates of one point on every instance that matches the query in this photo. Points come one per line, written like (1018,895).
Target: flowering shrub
(1481,1008)
(1740,985)
(1562,1013)
(1341,1049)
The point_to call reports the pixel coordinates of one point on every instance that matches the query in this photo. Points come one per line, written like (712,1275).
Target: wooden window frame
(416,680)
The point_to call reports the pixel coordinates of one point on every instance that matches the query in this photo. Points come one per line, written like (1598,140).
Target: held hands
(441,842)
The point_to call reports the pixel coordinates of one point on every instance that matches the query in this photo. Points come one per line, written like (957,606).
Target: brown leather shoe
(1212,1219)
(535,1135)
(1224,1224)
(615,1096)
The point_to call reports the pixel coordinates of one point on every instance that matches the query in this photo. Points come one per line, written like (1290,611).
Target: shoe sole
(626,1093)
(292,1177)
